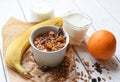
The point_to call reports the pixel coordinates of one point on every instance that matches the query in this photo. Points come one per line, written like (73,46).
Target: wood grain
(10,30)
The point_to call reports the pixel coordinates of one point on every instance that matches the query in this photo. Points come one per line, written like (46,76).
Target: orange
(102,45)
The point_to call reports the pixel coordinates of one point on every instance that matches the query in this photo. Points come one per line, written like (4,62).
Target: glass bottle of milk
(41,10)
(76,24)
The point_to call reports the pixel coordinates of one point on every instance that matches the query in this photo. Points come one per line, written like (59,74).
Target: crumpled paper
(14,27)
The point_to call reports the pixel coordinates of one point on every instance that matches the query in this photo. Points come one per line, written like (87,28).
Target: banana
(18,46)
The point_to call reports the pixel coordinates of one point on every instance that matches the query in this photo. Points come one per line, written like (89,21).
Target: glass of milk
(41,10)
(76,24)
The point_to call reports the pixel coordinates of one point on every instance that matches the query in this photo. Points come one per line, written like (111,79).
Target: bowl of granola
(49,45)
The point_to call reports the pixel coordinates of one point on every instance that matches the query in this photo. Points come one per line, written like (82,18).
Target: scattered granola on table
(97,67)
(64,72)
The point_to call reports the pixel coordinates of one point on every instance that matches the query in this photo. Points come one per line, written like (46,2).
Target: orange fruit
(102,45)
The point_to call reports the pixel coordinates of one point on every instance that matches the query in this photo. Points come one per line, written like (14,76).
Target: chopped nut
(74,79)
(90,71)
(89,77)
(116,65)
(77,60)
(85,81)
(81,78)
(110,77)
(81,73)
(85,75)
(82,58)
(87,64)
(103,79)
(51,32)
(78,73)
(36,42)
(77,68)
(113,63)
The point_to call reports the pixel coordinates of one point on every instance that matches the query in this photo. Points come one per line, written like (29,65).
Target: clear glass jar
(76,24)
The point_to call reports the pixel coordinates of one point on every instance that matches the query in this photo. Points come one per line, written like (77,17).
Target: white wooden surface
(105,14)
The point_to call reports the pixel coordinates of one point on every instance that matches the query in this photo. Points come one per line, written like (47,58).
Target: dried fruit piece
(49,46)
(98,67)
(60,39)
(94,80)
(99,79)
(110,77)
(44,68)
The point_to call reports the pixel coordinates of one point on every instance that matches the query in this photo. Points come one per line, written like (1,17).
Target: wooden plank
(80,69)
(112,7)
(2,72)
(101,19)
(59,9)
(90,31)
(8,8)
(113,69)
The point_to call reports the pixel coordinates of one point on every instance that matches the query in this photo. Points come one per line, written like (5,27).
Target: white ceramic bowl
(52,58)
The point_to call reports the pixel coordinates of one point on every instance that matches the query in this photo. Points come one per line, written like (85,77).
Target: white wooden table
(105,14)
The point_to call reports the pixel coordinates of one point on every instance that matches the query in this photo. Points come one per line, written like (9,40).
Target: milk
(41,10)
(76,24)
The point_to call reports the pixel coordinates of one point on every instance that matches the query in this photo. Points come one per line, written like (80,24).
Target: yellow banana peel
(18,46)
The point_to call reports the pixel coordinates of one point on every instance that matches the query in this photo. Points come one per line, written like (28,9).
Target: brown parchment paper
(10,30)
